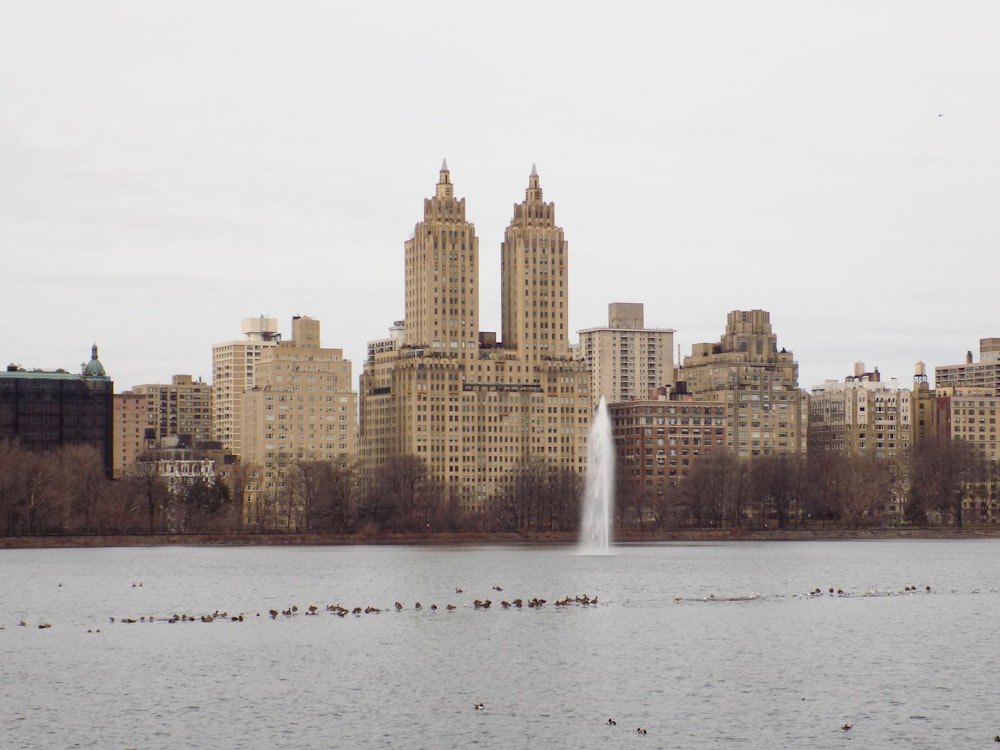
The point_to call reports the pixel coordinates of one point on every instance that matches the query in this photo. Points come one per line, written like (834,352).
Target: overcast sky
(168,169)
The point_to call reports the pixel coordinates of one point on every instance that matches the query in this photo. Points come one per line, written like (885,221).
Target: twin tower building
(473,407)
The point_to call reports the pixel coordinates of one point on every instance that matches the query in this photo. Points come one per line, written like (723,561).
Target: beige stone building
(233,367)
(182,408)
(301,408)
(134,431)
(628,361)
(862,416)
(970,414)
(471,407)
(982,374)
(766,412)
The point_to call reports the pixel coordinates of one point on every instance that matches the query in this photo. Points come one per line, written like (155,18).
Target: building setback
(472,407)
(48,410)
(766,413)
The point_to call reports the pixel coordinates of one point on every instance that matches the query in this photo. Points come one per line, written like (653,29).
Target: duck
(846,727)
(479,707)
(612,723)
(450,607)
(640,730)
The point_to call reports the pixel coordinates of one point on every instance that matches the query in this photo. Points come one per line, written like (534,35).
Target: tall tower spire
(535,293)
(442,275)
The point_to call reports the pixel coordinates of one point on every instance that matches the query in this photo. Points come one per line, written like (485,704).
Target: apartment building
(861,416)
(233,367)
(766,412)
(626,360)
(181,408)
(982,374)
(301,408)
(473,407)
(658,441)
(134,431)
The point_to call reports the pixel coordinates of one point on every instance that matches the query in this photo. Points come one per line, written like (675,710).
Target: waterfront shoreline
(490,538)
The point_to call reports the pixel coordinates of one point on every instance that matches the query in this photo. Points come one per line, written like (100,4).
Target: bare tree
(864,483)
(83,483)
(778,481)
(154,490)
(942,472)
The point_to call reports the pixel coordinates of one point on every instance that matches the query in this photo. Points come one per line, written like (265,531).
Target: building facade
(626,360)
(861,416)
(182,408)
(233,366)
(301,408)
(134,431)
(659,441)
(48,410)
(472,407)
(766,412)
(982,374)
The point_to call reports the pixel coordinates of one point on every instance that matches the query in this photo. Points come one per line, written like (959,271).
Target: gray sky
(167,169)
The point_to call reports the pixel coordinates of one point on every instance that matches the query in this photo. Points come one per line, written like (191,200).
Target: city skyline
(835,166)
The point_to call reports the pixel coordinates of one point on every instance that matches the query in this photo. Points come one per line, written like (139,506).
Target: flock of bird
(817,592)
(336,609)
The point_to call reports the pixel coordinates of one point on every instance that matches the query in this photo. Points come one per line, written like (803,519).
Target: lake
(703,645)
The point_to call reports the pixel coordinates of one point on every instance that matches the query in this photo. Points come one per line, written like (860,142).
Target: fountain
(599,490)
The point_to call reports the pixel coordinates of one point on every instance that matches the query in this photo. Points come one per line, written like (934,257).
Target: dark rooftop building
(47,410)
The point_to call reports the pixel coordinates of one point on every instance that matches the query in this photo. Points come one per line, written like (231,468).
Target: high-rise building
(233,366)
(471,407)
(861,416)
(982,374)
(765,410)
(48,410)
(628,361)
(534,261)
(301,408)
(181,409)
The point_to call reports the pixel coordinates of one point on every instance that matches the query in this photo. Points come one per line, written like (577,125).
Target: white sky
(167,169)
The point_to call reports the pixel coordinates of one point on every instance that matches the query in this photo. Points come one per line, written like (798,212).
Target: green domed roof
(94,368)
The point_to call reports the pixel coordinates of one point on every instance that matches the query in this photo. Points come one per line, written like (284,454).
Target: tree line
(67,492)
(944,482)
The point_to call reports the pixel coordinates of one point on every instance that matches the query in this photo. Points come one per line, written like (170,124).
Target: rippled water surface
(702,645)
